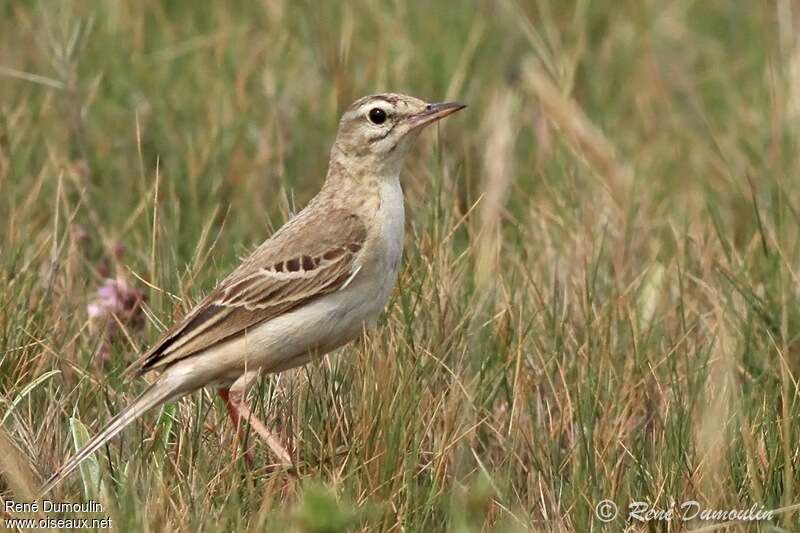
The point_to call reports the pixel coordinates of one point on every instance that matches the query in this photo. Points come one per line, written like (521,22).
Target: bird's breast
(382,260)
(392,224)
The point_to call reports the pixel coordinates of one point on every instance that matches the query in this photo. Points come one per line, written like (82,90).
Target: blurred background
(599,296)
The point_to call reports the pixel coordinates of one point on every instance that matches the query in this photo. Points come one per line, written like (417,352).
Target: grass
(599,295)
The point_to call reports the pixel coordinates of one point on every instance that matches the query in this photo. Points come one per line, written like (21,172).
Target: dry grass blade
(16,472)
(586,140)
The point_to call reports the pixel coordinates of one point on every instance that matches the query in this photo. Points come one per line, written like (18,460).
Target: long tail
(156,394)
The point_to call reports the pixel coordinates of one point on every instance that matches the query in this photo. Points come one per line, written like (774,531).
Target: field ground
(599,294)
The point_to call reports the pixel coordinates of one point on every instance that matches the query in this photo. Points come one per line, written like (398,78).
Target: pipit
(312,287)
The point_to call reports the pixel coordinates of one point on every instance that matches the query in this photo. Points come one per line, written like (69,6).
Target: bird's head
(377,131)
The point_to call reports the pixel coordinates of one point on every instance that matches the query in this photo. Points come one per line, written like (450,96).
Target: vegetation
(599,294)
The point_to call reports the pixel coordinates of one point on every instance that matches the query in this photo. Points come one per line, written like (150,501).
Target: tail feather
(158,393)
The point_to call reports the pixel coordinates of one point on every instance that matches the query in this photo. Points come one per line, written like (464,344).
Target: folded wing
(302,261)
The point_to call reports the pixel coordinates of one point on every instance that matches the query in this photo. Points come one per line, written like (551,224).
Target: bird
(315,285)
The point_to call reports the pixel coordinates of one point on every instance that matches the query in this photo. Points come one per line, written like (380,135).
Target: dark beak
(434,112)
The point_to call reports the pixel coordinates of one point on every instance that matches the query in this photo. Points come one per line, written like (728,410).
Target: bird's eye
(377,115)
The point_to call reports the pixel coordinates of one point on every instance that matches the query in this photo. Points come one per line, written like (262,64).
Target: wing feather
(302,261)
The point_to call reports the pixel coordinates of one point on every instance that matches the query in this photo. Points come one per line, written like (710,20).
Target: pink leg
(237,425)
(239,413)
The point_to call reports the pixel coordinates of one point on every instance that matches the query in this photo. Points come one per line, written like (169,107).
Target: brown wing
(305,259)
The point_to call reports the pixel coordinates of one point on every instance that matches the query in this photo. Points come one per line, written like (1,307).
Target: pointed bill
(437,111)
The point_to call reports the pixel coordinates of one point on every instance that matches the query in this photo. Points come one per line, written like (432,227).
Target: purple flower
(116,305)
